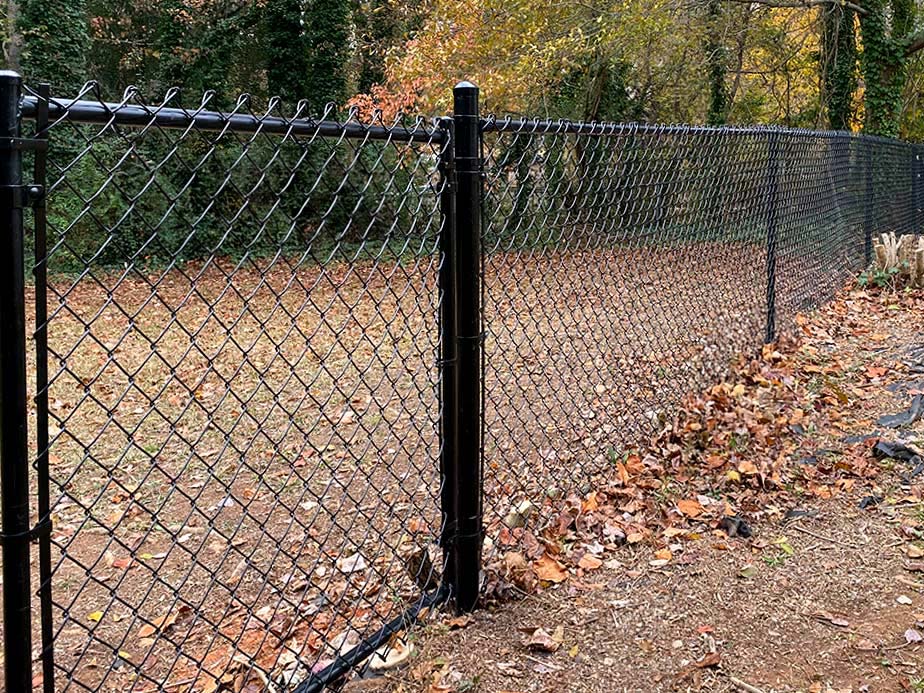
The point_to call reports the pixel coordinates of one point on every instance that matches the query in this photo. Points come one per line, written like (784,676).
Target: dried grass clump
(901,256)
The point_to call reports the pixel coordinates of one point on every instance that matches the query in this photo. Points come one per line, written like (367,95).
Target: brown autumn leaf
(589,562)
(590,503)
(161,623)
(460,621)
(549,569)
(690,507)
(713,659)
(541,641)
(832,618)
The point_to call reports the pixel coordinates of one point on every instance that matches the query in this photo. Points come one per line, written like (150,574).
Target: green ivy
(56,40)
(839,65)
(884,62)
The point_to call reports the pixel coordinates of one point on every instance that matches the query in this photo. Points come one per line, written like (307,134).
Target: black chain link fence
(626,265)
(252,425)
(242,342)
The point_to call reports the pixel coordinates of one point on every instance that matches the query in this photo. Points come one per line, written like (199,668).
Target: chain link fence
(272,353)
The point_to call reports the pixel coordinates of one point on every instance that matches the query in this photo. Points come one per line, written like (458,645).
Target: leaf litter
(785,438)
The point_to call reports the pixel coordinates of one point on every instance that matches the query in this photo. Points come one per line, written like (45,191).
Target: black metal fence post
(14,461)
(916,185)
(773,146)
(868,203)
(449,371)
(466,557)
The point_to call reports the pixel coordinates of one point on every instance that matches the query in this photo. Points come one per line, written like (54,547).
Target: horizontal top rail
(137,115)
(569,127)
(422,130)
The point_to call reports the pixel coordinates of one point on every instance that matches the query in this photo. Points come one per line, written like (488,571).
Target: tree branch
(804,3)
(915,43)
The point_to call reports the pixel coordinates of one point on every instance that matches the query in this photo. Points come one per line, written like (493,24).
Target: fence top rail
(535,126)
(134,114)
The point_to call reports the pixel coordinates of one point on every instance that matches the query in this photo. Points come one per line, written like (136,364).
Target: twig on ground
(799,528)
(742,686)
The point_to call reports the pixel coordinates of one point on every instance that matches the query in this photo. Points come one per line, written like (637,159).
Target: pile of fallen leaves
(756,440)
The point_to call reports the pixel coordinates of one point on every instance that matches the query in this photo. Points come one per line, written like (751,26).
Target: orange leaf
(161,623)
(589,562)
(690,507)
(591,503)
(550,570)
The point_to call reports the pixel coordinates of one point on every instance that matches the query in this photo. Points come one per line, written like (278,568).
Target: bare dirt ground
(241,457)
(827,592)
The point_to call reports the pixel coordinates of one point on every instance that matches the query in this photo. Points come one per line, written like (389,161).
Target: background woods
(813,63)
(798,63)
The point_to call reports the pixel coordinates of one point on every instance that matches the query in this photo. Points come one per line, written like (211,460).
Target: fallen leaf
(785,546)
(903,599)
(95,616)
(664,555)
(589,562)
(690,507)
(390,656)
(911,636)
(832,618)
(549,569)
(351,564)
(159,624)
(710,660)
(541,641)
(460,621)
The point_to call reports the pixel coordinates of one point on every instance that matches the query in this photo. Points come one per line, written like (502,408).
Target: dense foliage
(843,64)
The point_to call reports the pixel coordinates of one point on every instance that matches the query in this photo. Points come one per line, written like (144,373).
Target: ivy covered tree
(888,41)
(287,50)
(717,58)
(839,64)
(327,31)
(53,40)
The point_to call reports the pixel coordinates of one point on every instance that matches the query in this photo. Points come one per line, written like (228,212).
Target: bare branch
(804,3)
(915,43)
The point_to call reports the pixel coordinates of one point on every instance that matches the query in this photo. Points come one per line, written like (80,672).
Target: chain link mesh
(243,343)
(626,265)
(242,340)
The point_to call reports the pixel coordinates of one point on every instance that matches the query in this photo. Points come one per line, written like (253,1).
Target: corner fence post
(868,204)
(466,550)
(14,461)
(773,146)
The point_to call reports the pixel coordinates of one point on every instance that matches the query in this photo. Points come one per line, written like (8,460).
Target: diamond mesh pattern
(626,265)
(242,340)
(243,346)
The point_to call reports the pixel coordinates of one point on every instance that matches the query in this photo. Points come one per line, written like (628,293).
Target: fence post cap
(464,84)
(10,75)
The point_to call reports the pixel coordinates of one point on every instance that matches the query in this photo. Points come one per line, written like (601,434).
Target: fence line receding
(272,384)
